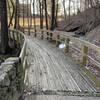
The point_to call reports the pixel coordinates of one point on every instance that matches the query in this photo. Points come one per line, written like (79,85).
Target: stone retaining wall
(11,79)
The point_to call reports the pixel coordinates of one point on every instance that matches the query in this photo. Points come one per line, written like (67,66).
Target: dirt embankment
(87,22)
(94,36)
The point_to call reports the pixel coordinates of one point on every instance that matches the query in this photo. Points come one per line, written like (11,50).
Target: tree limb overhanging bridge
(54,73)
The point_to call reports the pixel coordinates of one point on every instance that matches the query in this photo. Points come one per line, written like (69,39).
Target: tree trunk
(65,15)
(4,27)
(16,26)
(46,14)
(56,18)
(34,16)
(52,15)
(28,17)
(12,16)
(69,9)
(41,13)
(23,16)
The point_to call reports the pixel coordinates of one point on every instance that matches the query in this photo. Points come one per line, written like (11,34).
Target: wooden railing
(20,39)
(88,54)
(82,46)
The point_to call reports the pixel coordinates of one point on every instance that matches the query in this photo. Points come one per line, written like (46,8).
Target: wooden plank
(73,39)
(52,69)
(55,97)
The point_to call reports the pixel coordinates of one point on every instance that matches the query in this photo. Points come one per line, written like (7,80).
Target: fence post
(51,35)
(57,40)
(41,34)
(67,41)
(18,40)
(47,36)
(85,53)
(9,35)
(35,33)
(13,32)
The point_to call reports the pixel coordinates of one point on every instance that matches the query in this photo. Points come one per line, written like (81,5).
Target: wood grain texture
(53,97)
(49,69)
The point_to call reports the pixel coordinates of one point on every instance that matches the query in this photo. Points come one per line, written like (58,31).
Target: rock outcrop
(11,79)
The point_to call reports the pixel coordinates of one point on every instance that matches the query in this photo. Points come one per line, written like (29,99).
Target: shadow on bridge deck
(49,69)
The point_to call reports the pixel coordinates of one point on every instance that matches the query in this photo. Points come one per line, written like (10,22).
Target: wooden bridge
(54,73)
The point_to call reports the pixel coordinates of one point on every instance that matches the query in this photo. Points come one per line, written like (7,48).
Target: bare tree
(46,14)
(41,13)
(69,9)
(65,15)
(57,8)
(52,14)
(4,27)
(28,16)
(13,12)
(34,16)
(16,14)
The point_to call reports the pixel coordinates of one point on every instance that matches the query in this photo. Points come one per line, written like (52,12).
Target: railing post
(35,33)
(67,41)
(13,37)
(18,39)
(85,53)
(41,34)
(51,35)
(23,30)
(57,40)
(9,35)
(47,35)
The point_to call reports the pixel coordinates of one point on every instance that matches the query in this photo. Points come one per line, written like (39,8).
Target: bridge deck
(49,97)
(49,69)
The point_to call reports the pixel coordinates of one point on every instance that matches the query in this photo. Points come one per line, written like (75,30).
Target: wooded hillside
(84,21)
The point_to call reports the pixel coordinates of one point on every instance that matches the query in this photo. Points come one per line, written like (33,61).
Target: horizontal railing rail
(15,65)
(85,54)
(58,36)
(20,39)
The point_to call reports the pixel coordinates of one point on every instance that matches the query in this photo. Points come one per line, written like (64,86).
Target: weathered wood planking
(49,69)
(54,97)
(65,35)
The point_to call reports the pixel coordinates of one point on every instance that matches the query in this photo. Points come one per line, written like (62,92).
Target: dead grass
(31,21)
